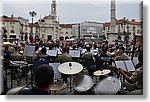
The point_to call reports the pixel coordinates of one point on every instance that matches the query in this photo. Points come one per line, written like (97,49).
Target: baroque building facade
(49,28)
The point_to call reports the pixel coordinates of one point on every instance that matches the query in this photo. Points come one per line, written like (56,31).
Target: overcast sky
(73,11)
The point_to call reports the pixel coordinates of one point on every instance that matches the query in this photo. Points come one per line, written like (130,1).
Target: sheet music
(59,52)
(29,50)
(57,74)
(74,53)
(120,64)
(47,48)
(83,51)
(129,65)
(106,59)
(95,51)
(52,53)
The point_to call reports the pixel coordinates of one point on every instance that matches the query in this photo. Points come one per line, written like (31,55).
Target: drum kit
(83,84)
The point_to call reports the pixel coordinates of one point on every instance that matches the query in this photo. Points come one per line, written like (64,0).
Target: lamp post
(32,14)
(124,21)
(134,31)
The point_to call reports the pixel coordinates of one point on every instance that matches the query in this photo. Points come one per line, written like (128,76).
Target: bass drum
(16,90)
(108,86)
(82,85)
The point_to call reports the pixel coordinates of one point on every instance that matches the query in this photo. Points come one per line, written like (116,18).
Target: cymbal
(103,72)
(70,68)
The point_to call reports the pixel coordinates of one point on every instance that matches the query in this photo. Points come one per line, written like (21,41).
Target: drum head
(108,86)
(82,83)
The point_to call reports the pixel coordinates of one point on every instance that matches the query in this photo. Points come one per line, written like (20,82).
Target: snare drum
(108,86)
(82,84)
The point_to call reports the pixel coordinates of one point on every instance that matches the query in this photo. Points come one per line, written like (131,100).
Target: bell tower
(53,9)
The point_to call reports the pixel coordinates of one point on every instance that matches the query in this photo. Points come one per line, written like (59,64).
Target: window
(12,36)
(138,31)
(66,32)
(61,32)
(12,31)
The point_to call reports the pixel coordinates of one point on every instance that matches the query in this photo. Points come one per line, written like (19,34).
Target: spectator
(44,77)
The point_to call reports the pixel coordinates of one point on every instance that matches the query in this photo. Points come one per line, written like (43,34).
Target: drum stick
(21,89)
(63,86)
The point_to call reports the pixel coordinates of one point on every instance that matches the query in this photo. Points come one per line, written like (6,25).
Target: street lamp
(32,14)
(125,34)
(124,21)
(133,30)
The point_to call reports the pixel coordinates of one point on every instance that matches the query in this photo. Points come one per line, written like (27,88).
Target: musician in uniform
(65,57)
(120,55)
(133,81)
(103,58)
(16,56)
(88,60)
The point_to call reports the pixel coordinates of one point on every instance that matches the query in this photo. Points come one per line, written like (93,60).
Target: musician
(6,53)
(103,58)
(88,60)
(43,50)
(65,57)
(87,54)
(16,56)
(120,55)
(133,81)
(44,77)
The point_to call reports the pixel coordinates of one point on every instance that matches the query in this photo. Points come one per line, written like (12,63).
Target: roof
(121,21)
(66,25)
(9,19)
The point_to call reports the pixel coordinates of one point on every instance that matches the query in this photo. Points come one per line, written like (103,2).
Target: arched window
(119,37)
(61,38)
(66,37)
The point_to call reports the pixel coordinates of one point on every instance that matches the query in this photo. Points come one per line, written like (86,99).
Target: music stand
(29,52)
(57,74)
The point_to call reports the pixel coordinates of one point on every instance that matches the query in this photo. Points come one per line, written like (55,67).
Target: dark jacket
(34,91)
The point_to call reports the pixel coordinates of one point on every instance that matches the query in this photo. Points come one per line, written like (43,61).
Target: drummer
(65,57)
(44,77)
